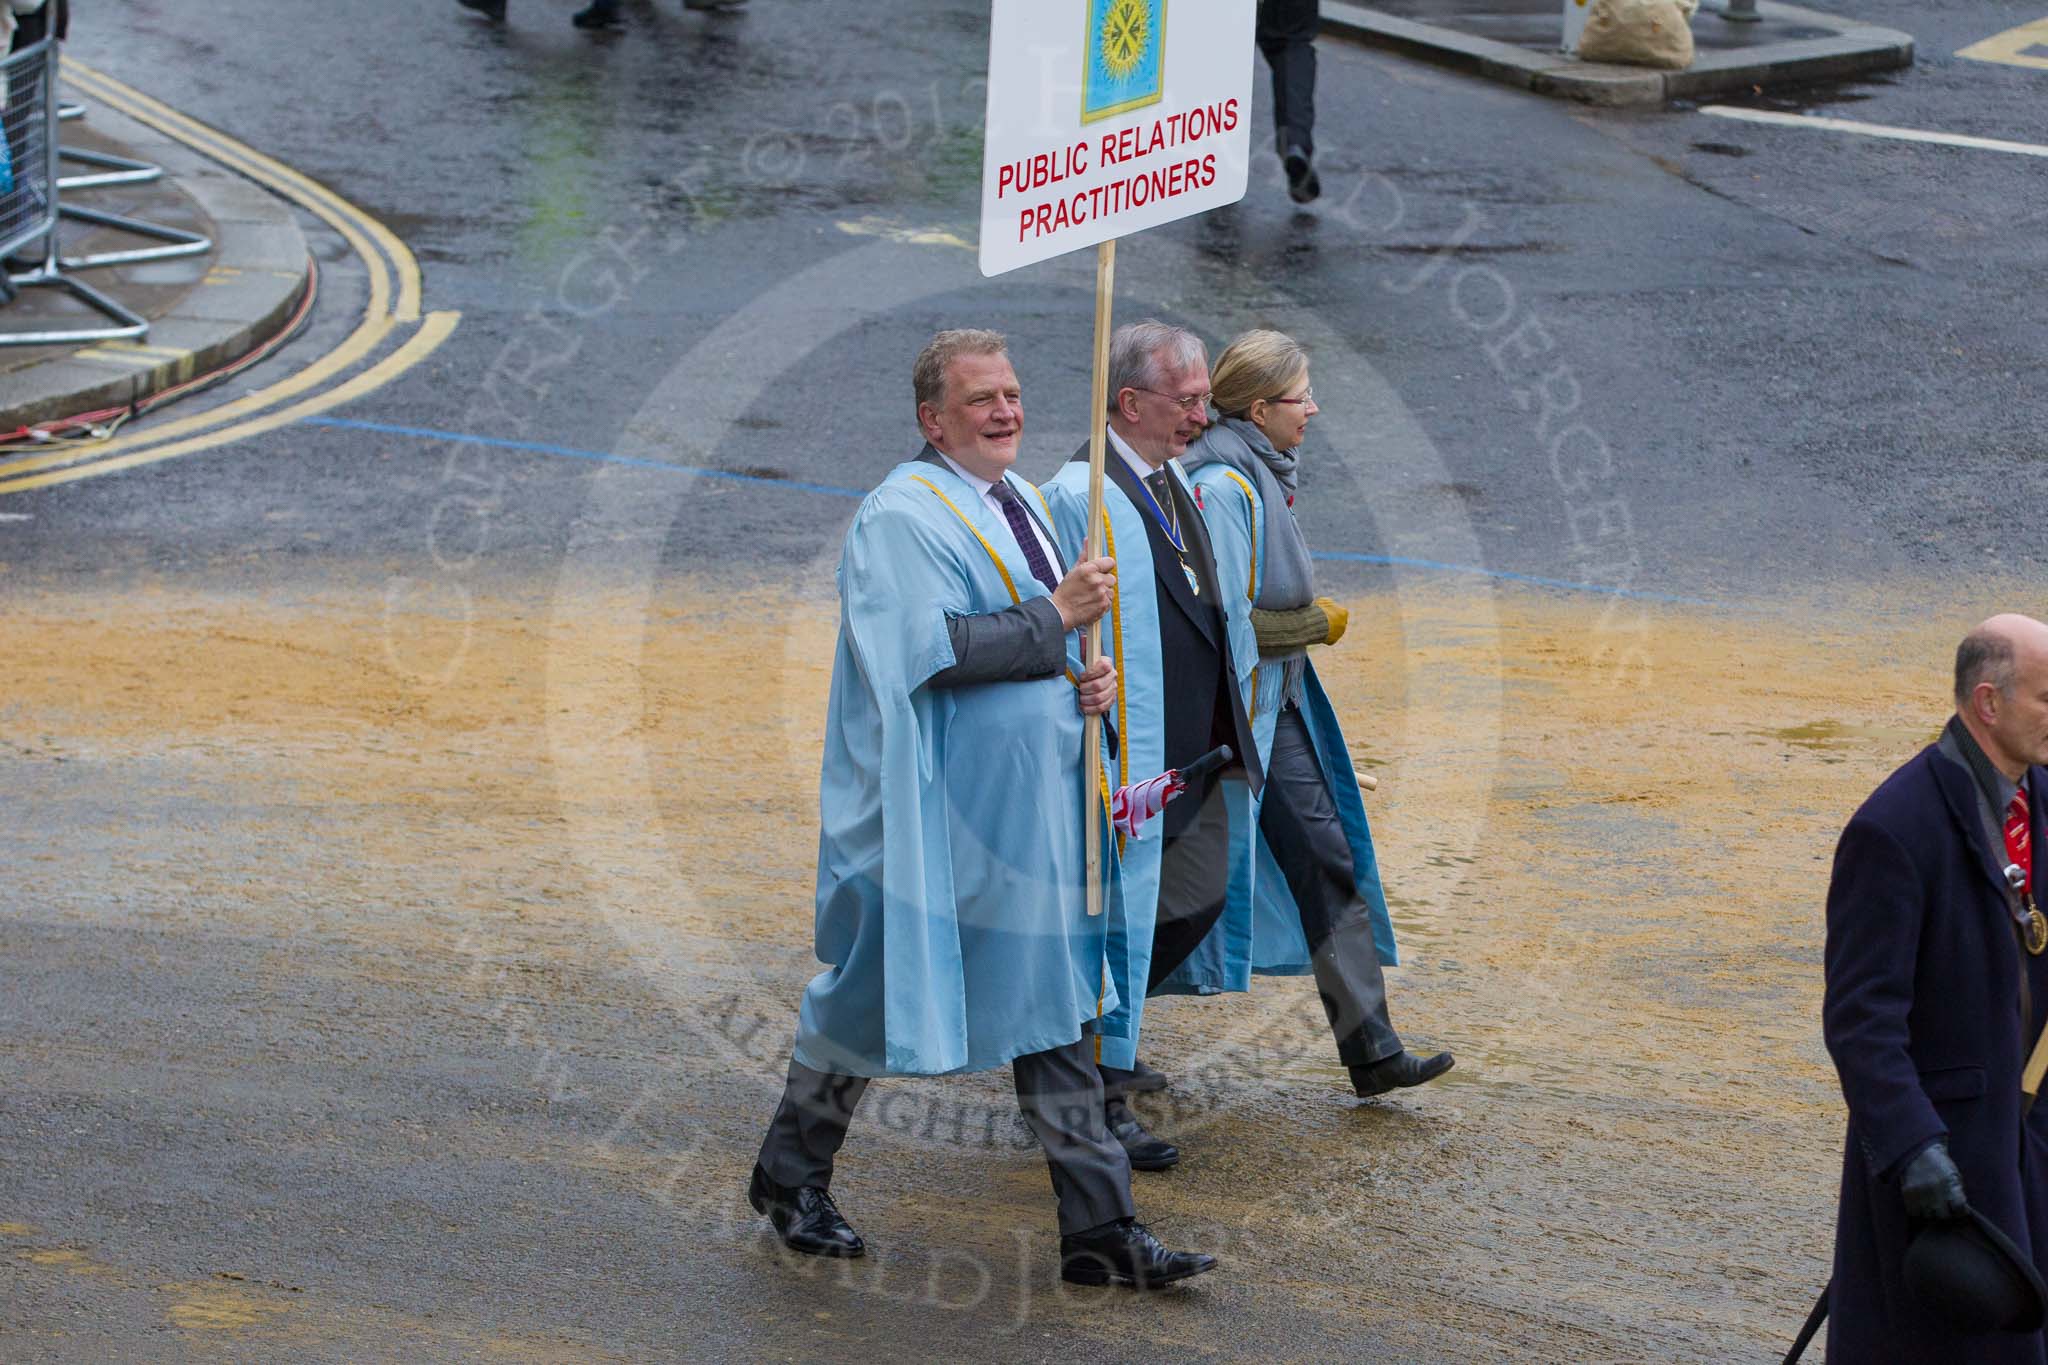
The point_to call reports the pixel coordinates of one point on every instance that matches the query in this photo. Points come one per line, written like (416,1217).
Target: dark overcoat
(1926,980)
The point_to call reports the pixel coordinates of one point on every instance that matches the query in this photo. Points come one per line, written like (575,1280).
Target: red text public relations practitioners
(1047,169)
(1167,182)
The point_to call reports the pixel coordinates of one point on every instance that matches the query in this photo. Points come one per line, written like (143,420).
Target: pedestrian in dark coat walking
(1286,33)
(1936,991)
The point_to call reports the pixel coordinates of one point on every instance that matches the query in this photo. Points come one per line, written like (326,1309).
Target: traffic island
(204,311)
(1517,43)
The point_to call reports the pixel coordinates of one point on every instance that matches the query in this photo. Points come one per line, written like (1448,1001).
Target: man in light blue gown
(1182,646)
(951,900)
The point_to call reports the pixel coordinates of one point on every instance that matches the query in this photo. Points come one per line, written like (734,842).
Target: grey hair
(928,375)
(1142,354)
(1984,656)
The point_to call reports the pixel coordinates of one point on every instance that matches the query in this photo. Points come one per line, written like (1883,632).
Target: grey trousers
(1299,820)
(1058,1091)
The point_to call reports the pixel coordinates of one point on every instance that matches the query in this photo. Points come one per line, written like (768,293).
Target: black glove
(1932,1186)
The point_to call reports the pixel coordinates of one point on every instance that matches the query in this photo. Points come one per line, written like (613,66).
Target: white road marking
(1843,125)
(17,516)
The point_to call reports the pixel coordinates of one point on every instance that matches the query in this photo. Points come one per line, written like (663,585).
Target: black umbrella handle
(1206,764)
(1813,1322)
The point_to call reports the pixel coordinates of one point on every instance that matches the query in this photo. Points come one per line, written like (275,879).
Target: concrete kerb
(256,276)
(1853,50)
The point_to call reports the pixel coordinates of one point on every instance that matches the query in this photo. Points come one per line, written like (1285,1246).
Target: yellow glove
(1338,618)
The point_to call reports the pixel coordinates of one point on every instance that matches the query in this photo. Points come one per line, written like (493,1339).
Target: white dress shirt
(987,491)
(1131,457)
(1144,471)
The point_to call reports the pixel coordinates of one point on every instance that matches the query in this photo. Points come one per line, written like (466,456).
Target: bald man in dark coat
(1936,991)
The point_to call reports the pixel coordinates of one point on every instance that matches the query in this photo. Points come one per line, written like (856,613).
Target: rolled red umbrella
(1132,805)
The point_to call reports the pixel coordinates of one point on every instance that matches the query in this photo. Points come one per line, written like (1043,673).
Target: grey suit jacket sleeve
(1017,644)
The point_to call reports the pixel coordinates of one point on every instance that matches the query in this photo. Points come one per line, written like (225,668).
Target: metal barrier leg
(128,324)
(120,170)
(181,242)
(117,170)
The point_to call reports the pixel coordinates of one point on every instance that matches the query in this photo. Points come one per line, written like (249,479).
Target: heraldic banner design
(1126,65)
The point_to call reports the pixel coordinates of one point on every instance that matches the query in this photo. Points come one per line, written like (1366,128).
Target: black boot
(490,9)
(600,14)
(1139,1080)
(1303,184)
(1123,1252)
(1144,1080)
(1147,1153)
(1402,1069)
(805,1218)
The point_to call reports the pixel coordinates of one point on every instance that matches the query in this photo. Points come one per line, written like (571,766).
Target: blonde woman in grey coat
(1317,906)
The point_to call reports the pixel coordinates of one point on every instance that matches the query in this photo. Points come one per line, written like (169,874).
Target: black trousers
(1194,880)
(1299,820)
(1059,1091)
(1287,37)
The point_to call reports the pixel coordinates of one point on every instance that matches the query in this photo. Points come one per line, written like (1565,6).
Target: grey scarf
(1289,580)
(1290,577)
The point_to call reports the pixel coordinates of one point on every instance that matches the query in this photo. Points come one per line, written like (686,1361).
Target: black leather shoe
(597,16)
(1303,184)
(1139,1080)
(1398,1071)
(1144,1080)
(806,1219)
(1147,1153)
(490,9)
(1123,1252)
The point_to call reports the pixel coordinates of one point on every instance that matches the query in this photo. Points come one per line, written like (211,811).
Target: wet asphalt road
(717,241)
(1784,344)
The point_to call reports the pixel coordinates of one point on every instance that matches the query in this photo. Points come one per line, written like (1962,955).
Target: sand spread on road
(1606,845)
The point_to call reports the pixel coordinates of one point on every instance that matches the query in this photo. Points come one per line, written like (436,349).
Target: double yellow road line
(394,307)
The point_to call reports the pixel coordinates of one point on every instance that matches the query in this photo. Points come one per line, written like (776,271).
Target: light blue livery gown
(950,906)
(1131,636)
(1259,896)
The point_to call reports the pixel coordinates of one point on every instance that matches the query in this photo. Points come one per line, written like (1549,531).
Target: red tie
(2018,838)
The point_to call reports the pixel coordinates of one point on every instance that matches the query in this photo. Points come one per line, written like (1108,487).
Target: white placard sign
(1107,117)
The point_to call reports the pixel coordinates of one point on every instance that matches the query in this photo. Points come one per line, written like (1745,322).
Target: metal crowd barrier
(28,199)
(31,209)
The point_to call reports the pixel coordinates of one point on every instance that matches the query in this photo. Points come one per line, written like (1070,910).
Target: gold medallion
(2036,928)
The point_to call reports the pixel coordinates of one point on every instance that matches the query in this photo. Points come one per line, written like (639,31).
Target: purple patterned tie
(1020,527)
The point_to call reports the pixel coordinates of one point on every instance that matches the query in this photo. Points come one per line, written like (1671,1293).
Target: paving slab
(204,311)
(1518,43)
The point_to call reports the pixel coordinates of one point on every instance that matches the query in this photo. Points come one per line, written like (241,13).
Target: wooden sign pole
(1091,546)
